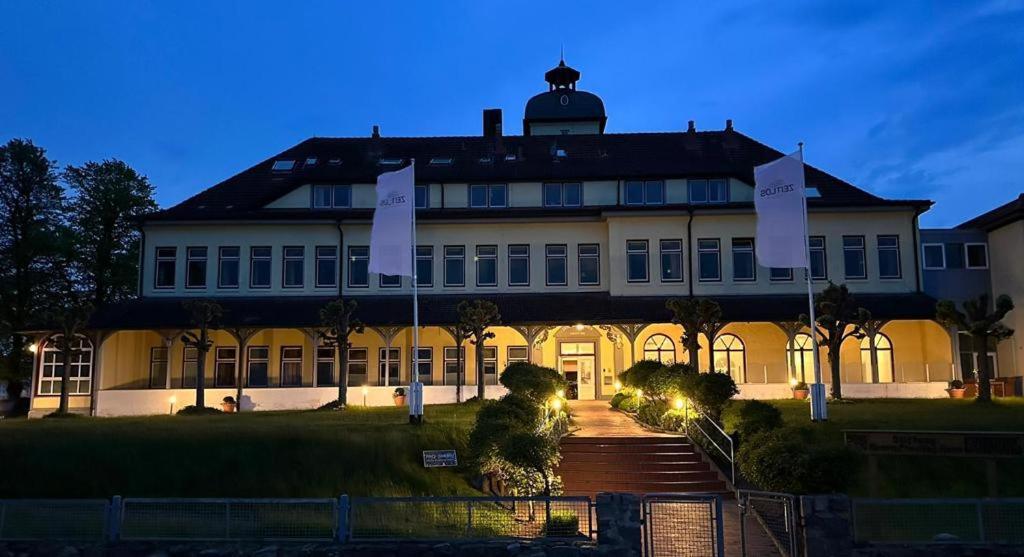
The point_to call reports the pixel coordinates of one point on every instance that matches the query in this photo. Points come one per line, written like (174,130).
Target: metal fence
(434,518)
(229,519)
(680,525)
(916,521)
(706,432)
(768,523)
(48,519)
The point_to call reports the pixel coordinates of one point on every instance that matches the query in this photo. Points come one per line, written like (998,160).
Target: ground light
(560,393)
(556,404)
(366,391)
(639,393)
(618,385)
(172,399)
(679,404)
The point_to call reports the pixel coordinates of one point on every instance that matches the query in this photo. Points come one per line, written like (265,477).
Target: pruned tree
(459,334)
(338,317)
(71,317)
(710,324)
(838,318)
(476,317)
(697,316)
(204,315)
(982,322)
(108,198)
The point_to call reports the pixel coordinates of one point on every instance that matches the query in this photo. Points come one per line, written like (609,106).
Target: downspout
(917,250)
(341,257)
(689,248)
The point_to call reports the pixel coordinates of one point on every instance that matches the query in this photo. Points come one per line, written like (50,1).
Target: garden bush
(532,381)
(562,524)
(673,420)
(617,399)
(651,411)
(709,392)
(792,460)
(198,411)
(749,417)
(639,373)
(630,404)
(667,382)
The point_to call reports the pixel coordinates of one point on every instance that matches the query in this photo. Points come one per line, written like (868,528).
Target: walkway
(596,418)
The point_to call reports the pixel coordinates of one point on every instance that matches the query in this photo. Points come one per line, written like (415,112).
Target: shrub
(667,382)
(710,392)
(630,404)
(673,420)
(956,384)
(63,415)
(639,373)
(617,399)
(800,386)
(532,381)
(198,411)
(651,411)
(751,417)
(791,460)
(562,524)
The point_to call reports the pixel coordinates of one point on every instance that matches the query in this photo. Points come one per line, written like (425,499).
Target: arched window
(883,349)
(801,358)
(660,348)
(730,357)
(52,365)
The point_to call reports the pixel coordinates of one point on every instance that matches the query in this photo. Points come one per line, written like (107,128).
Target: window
(743,267)
(165,267)
(709,260)
(517,354)
(455,266)
(883,350)
(227,266)
(854,260)
(933,256)
(651,192)
(293,264)
(730,357)
(589,256)
(671,260)
(358,266)
(555,265)
(426,365)
(708,191)
(660,348)
(519,265)
(258,363)
(225,364)
(158,367)
(425,266)
(563,195)
(451,369)
(357,367)
(326,266)
(889,257)
(259,267)
(636,261)
(422,196)
(490,365)
(325,197)
(970,357)
(283,166)
(310,161)
(801,358)
(392,362)
(322,197)
(291,366)
(976,256)
(955,258)
(441,161)
(80,374)
(195,267)
(486,265)
(819,262)
(189,366)
(325,366)
(488,196)
(779,274)
(390,281)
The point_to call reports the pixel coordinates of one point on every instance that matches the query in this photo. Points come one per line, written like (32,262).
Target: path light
(560,393)
(172,399)
(33,348)
(639,393)
(679,403)
(556,404)
(793,381)
(618,385)
(366,391)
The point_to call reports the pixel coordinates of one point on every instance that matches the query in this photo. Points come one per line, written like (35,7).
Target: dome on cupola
(562,109)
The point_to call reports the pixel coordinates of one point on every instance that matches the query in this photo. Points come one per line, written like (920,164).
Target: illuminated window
(258,363)
(730,357)
(225,366)
(660,348)
(883,350)
(291,366)
(801,358)
(52,367)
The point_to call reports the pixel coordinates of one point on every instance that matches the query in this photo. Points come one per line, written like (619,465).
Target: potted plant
(399,396)
(956,389)
(228,404)
(800,390)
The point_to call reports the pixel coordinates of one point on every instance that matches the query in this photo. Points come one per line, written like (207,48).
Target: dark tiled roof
(589,157)
(569,308)
(998,217)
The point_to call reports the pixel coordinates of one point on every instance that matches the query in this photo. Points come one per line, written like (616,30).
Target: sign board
(982,444)
(440,459)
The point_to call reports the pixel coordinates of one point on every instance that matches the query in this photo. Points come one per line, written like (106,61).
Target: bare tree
(982,324)
(337,316)
(205,316)
(476,318)
(839,318)
(697,316)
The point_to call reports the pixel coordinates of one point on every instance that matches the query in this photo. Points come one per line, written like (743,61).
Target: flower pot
(400,400)
(801,394)
(956,393)
(228,407)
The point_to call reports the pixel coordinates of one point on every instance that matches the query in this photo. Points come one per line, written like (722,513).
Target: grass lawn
(924,476)
(361,451)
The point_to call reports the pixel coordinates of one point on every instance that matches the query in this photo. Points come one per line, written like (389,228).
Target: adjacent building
(578,235)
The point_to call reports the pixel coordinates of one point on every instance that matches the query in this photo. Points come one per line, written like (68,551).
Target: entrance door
(576,362)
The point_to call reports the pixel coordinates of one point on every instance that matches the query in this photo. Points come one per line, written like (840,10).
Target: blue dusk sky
(905,99)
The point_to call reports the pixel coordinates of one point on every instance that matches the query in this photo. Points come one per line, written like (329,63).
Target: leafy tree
(477,317)
(71,316)
(337,316)
(31,202)
(982,324)
(697,316)
(108,198)
(839,318)
(205,316)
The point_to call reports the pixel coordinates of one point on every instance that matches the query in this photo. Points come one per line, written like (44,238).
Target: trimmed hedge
(749,417)
(793,460)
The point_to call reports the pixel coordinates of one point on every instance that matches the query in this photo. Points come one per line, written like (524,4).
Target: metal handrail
(730,455)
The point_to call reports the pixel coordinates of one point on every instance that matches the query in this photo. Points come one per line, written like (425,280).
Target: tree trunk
(984,369)
(342,370)
(242,363)
(64,372)
(480,387)
(201,372)
(693,349)
(711,356)
(873,352)
(837,382)
(459,371)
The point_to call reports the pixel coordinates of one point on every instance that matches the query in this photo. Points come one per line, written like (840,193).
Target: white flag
(391,236)
(779,199)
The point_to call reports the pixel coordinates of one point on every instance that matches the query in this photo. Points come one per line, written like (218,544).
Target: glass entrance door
(576,362)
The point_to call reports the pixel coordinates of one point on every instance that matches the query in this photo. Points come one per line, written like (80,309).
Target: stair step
(631,458)
(630,449)
(593,494)
(632,467)
(636,476)
(670,440)
(644,487)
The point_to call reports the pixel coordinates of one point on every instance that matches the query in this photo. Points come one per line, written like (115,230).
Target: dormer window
(709,191)
(486,160)
(310,161)
(649,192)
(328,197)
(510,157)
(390,162)
(283,166)
(334,162)
(560,153)
(441,161)
(812,191)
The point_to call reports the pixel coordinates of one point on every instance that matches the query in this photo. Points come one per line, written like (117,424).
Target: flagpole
(819,411)
(416,406)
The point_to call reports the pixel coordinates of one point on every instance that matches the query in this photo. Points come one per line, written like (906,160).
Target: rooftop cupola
(562,109)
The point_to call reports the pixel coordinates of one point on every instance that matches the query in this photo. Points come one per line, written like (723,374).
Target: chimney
(692,127)
(492,122)
(376,131)
(728,125)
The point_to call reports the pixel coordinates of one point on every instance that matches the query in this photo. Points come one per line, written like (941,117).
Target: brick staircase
(641,464)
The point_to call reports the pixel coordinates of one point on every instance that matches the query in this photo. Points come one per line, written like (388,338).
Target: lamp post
(366,391)
(172,399)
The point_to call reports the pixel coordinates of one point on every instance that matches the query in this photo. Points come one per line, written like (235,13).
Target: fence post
(114,515)
(343,519)
(981,520)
